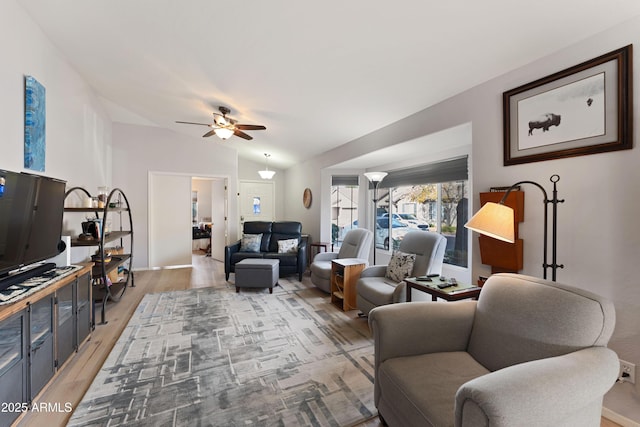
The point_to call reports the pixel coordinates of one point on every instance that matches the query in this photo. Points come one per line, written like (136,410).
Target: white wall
(140,149)
(78,129)
(598,242)
(298,178)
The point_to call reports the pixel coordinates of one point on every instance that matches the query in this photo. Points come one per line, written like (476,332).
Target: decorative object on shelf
(98,258)
(92,227)
(307,198)
(567,114)
(87,202)
(34,124)
(375,178)
(266,173)
(103,193)
(497,220)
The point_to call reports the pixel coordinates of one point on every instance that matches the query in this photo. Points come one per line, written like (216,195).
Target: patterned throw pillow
(250,243)
(289,246)
(400,266)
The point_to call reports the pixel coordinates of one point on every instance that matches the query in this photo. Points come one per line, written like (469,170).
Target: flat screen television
(31,210)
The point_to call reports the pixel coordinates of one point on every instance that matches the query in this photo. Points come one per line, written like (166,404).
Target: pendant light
(266,173)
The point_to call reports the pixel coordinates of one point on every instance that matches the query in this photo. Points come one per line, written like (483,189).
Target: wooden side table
(345,272)
(454,293)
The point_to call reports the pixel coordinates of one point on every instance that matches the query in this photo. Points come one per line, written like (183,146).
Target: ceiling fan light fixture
(225,127)
(266,173)
(223,133)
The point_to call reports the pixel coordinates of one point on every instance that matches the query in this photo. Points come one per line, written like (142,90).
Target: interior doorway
(209,214)
(171,217)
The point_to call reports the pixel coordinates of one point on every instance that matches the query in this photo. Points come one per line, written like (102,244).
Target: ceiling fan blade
(241,134)
(250,127)
(192,123)
(211,132)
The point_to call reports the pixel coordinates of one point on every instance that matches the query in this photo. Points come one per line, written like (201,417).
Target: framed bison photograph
(585,109)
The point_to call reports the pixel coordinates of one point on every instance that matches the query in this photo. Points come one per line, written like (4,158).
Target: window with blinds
(430,198)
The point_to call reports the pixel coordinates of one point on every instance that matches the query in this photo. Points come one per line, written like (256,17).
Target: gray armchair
(356,244)
(529,352)
(374,289)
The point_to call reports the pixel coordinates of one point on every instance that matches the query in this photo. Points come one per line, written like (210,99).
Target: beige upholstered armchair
(356,244)
(374,288)
(529,352)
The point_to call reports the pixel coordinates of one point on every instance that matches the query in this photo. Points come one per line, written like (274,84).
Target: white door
(169,220)
(257,201)
(219,219)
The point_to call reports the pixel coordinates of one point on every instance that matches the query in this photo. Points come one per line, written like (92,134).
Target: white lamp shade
(375,176)
(266,174)
(494,220)
(223,133)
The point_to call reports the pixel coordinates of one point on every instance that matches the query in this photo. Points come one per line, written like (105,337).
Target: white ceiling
(316,74)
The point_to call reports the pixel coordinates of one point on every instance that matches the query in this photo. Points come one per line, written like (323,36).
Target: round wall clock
(306,198)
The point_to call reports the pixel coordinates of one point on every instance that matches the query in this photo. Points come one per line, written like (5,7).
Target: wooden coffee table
(454,293)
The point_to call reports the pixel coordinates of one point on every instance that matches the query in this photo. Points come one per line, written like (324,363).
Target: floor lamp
(375,178)
(497,220)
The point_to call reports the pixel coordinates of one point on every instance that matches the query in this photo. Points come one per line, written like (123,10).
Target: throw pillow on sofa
(400,266)
(288,246)
(250,243)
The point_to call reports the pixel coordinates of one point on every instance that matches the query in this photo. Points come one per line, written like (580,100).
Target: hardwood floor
(74,379)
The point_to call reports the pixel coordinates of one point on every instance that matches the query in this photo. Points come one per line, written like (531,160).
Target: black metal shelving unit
(115,204)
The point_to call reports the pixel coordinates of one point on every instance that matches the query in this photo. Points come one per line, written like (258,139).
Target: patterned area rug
(211,357)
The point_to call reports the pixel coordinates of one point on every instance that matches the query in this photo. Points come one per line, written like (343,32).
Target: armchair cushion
(321,265)
(378,290)
(439,373)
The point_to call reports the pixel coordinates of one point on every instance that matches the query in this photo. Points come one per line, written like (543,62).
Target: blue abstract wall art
(34,124)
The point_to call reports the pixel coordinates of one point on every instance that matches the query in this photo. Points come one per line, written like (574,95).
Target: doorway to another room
(208,217)
(173,215)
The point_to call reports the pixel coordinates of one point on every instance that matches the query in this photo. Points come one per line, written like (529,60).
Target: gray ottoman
(257,273)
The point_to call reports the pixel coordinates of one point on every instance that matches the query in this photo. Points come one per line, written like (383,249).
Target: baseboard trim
(619,419)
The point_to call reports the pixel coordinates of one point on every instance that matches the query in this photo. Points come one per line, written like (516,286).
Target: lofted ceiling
(316,74)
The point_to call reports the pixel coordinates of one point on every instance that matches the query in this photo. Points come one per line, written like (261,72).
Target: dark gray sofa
(272,232)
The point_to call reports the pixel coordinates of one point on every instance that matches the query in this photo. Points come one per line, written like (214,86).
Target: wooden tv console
(40,329)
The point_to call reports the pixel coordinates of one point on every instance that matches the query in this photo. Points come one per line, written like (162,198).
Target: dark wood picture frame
(584,109)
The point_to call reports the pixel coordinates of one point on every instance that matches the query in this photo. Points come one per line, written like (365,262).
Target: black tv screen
(31,209)
(46,225)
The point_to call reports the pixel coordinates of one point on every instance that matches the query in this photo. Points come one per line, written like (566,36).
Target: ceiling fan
(224,127)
